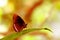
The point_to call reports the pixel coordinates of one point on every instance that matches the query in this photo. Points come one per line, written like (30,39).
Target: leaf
(17,34)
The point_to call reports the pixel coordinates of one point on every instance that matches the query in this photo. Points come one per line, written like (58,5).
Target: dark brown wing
(19,23)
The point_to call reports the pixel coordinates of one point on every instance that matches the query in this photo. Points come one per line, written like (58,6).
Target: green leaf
(17,34)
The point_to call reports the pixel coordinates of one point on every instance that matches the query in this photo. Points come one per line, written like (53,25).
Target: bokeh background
(44,14)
